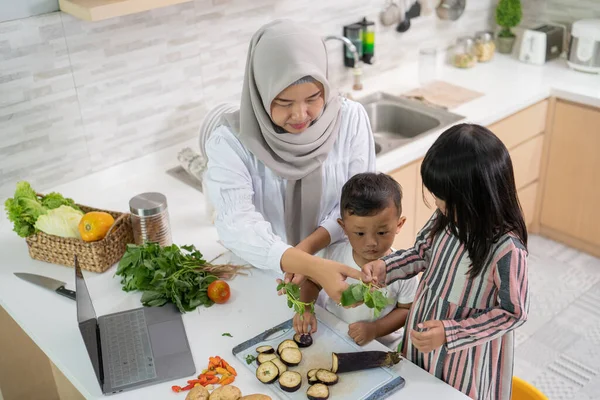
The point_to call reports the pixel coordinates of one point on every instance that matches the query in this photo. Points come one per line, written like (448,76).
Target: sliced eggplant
(262,358)
(291,356)
(267,372)
(280,365)
(304,340)
(318,391)
(265,350)
(326,377)
(348,362)
(286,344)
(311,376)
(290,381)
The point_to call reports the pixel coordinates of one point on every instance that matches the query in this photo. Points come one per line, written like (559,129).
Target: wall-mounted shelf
(96,10)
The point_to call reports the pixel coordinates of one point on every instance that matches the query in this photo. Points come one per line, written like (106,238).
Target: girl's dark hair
(470,169)
(368,193)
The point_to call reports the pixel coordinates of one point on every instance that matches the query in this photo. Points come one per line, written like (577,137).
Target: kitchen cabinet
(527,198)
(521,126)
(526,160)
(425,202)
(524,135)
(407,178)
(570,209)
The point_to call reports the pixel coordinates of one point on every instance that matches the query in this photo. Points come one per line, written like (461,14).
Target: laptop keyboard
(130,355)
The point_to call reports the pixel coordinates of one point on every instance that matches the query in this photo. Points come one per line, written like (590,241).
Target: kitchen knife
(48,283)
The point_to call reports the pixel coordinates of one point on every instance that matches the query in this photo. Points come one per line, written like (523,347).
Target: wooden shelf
(96,10)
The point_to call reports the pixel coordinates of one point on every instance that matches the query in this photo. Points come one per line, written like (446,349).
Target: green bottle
(368,41)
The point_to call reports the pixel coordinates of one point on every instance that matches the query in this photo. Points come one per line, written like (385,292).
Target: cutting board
(372,384)
(444,94)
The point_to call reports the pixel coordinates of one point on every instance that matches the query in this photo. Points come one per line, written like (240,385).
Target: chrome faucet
(357,70)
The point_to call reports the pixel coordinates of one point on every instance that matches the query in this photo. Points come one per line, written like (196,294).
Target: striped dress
(479,314)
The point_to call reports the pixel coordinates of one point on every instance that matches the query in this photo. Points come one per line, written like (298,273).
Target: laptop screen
(88,324)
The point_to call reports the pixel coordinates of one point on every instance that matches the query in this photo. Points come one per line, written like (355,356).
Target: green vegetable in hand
(366,293)
(25,207)
(169,274)
(62,221)
(292,292)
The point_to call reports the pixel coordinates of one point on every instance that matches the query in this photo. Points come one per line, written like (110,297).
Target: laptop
(133,348)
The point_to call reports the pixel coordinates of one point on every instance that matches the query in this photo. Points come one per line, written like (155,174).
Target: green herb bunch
(368,294)
(166,274)
(292,292)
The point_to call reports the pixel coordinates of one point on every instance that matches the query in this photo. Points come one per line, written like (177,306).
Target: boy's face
(372,236)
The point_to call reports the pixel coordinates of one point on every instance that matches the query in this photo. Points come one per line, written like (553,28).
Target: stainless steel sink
(396,121)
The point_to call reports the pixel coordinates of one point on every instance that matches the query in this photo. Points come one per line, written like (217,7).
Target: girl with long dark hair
(473,255)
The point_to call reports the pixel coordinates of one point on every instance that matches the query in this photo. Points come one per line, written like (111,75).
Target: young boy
(371,216)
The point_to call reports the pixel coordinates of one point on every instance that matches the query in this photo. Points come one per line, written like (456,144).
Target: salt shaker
(150,219)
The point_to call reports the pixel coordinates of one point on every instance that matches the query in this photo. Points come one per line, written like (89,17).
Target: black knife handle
(66,292)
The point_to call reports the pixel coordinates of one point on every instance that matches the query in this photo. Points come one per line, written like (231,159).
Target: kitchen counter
(50,320)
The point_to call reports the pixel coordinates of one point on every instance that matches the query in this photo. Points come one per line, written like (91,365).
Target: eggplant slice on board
(290,381)
(318,391)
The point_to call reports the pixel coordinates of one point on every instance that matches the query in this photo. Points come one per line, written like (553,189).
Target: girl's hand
(332,279)
(374,271)
(302,323)
(362,332)
(289,277)
(431,339)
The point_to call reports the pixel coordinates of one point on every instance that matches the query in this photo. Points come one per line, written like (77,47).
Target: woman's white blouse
(248,197)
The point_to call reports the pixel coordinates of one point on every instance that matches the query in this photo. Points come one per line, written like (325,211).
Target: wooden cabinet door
(526,160)
(521,126)
(407,178)
(571,194)
(527,198)
(425,202)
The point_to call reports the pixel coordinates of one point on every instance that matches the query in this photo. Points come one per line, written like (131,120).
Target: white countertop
(50,320)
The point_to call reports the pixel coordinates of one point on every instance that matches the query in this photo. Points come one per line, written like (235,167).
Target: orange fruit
(219,292)
(95,225)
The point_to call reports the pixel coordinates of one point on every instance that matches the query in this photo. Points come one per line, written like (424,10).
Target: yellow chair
(522,390)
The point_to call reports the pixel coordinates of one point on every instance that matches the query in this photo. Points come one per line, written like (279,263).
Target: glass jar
(150,219)
(484,46)
(463,54)
(428,65)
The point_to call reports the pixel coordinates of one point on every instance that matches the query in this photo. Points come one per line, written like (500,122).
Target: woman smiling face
(298,106)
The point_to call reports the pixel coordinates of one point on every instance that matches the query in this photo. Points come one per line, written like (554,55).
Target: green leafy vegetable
(62,221)
(367,294)
(292,292)
(250,359)
(227,334)
(170,274)
(25,207)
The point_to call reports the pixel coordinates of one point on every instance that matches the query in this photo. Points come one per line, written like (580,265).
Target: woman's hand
(375,272)
(332,278)
(431,339)
(302,323)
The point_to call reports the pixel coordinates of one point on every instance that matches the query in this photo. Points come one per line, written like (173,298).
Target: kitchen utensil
(584,47)
(372,384)
(541,44)
(48,283)
(390,14)
(451,9)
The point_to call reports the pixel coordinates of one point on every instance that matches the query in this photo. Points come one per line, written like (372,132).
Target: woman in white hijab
(276,167)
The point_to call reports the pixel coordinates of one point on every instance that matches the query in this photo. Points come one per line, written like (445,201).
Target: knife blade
(48,283)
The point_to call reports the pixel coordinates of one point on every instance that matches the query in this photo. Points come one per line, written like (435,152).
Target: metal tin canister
(150,219)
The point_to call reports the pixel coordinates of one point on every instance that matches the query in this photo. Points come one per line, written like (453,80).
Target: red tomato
(219,292)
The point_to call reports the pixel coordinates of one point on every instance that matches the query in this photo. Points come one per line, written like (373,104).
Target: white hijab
(281,53)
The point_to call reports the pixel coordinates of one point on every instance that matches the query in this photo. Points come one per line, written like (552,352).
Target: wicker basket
(92,256)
